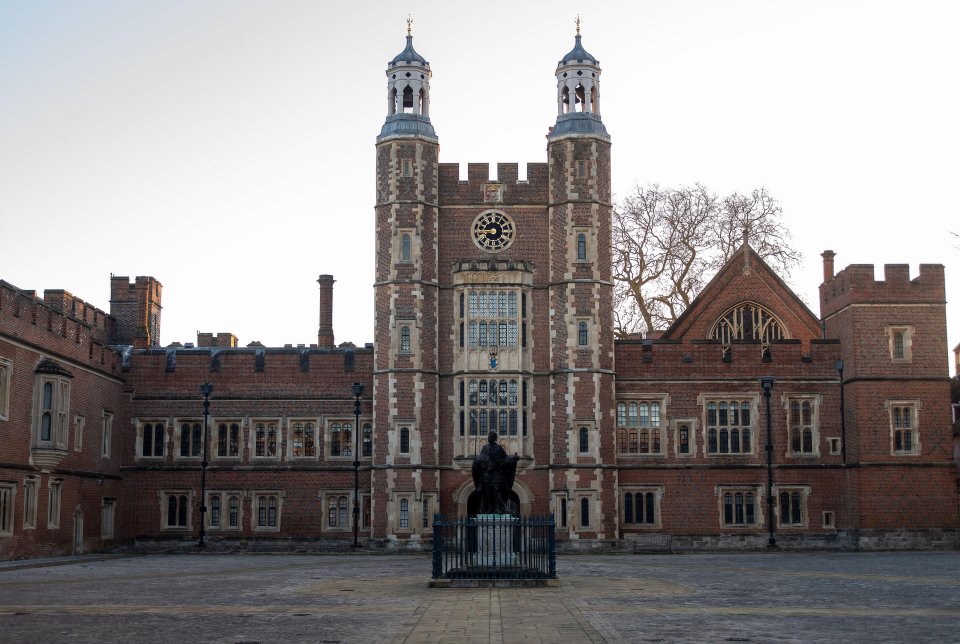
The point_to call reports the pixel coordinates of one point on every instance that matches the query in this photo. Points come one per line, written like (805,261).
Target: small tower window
(404,440)
(404,339)
(406,167)
(407,100)
(581,246)
(581,168)
(405,247)
(584,440)
(582,334)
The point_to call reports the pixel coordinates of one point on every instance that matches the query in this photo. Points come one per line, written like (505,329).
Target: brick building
(493,312)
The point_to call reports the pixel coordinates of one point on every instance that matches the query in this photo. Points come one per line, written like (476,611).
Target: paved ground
(366,598)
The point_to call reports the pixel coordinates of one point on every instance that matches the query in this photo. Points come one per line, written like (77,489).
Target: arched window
(628,508)
(404,440)
(215,511)
(404,513)
(582,338)
(584,440)
(581,246)
(234,502)
(426,514)
(342,512)
(584,513)
(748,321)
(404,339)
(182,511)
(407,100)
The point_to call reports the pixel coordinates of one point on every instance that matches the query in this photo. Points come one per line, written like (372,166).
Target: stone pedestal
(495,540)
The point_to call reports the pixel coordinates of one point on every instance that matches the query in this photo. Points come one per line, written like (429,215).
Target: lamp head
(206,389)
(357,389)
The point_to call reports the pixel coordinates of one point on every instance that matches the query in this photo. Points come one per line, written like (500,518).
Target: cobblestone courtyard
(371,598)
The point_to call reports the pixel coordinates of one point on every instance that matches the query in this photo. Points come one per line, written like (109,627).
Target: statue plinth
(495,540)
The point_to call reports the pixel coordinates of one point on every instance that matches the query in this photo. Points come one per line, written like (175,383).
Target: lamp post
(206,389)
(767,384)
(357,391)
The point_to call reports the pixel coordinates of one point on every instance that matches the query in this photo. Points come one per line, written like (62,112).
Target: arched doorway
(78,532)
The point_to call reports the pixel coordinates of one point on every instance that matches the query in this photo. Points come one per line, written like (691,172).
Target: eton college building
(750,418)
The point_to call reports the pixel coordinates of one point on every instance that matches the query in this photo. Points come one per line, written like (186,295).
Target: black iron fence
(494,547)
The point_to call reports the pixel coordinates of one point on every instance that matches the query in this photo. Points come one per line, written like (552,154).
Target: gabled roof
(745,278)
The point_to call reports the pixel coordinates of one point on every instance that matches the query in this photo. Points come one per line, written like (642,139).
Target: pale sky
(227,147)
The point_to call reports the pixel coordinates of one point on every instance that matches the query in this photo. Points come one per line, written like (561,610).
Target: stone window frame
(305,421)
(691,425)
(914,406)
(629,423)
(834,446)
(411,245)
(366,423)
(584,431)
(178,428)
(254,439)
(814,427)
(260,508)
(406,167)
(473,319)
(584,500)
(426,508)
(106,433)
(472,419)
(8,500)
(79,423)
(583,239)
(340,502)
(108,517)
(6,375)
(54,502)
(900,342)
(31,503)
(404,514)
(338,422)
(183,506)
(223,523)
(797,500)
(656,492)
(228,422)
(154,424)
(758,496)
(59,410)
(829,520)
(560,506)
(753,399)
(581,168)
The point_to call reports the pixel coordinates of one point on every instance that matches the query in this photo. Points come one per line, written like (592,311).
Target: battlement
(222,340)
(63,323)
(856,284)
(506,188)
(696,359)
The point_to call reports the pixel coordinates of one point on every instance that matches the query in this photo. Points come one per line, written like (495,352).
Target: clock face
(493,231)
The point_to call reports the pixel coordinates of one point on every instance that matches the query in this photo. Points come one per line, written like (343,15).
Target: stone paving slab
(375,598)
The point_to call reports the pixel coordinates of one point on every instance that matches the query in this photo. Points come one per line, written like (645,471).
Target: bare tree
(667,243)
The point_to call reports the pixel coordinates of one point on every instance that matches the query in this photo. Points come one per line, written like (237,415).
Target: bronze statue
(493,475)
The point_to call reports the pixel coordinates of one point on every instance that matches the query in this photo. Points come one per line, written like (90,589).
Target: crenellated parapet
(504,188)
(705,359)
(856,284)
(60,323)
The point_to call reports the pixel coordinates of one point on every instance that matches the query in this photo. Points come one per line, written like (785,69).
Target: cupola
(408,93)
(578,93)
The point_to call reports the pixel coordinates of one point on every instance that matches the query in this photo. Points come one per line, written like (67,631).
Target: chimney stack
(827,256)
(325,334)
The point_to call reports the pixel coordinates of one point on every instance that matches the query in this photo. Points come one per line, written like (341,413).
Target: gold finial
(578,24)
(409,25)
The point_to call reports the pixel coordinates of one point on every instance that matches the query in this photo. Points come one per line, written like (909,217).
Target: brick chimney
(827,256)
(325,334)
